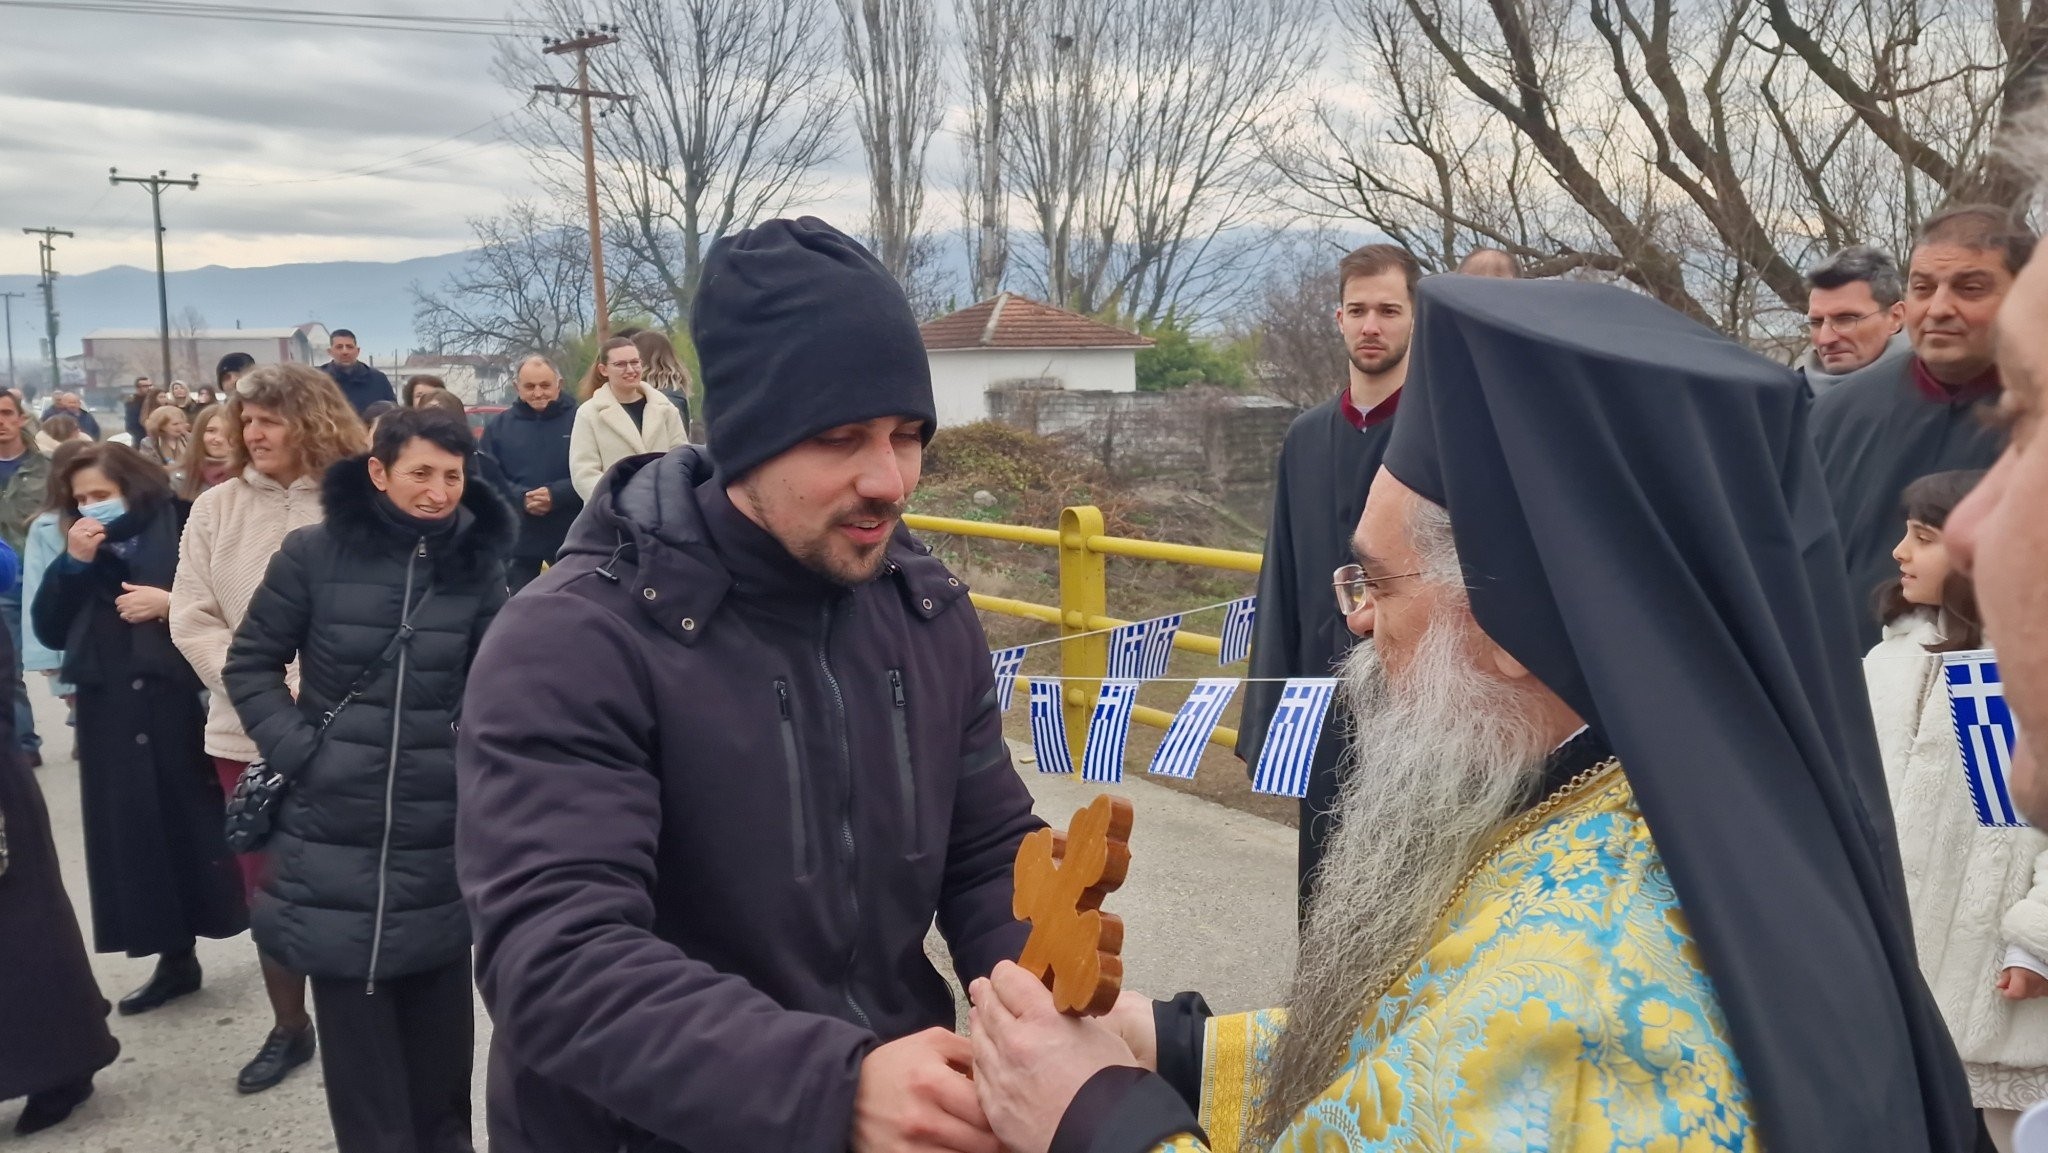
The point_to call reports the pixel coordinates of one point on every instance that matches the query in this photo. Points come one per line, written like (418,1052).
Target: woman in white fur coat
(619,417)
(1979,896)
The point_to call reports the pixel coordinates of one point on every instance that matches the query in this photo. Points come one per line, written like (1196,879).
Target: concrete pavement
(1209,905)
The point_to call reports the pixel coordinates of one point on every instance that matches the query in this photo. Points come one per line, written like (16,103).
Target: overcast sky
(269,116)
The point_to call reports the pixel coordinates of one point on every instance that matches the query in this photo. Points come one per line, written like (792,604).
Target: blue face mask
(104,511)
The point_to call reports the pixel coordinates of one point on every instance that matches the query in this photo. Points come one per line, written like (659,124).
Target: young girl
(1979,919)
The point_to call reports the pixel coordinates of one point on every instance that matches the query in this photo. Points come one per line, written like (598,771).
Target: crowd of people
(674,753)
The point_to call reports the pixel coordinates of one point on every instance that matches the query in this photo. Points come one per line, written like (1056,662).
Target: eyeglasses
(1841,322)
(1355,590)
(622,363)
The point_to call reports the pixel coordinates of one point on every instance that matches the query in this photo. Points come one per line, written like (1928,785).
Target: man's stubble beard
(1388,363)
(816,553)
(1440,762)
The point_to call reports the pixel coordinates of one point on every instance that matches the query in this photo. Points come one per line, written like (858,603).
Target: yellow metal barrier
(1082,613)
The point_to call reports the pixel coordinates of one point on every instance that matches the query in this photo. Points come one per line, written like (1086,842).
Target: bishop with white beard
(1618,874)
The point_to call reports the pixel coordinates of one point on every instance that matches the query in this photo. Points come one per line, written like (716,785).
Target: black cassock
(157,863)
(1326,465)
(53,1020)
(1877,432)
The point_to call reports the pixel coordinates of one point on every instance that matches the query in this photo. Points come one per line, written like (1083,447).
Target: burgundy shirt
(1380,414)
(1941,392)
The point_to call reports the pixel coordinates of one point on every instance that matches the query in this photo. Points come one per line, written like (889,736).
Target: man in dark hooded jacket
(530,443)
(727,759)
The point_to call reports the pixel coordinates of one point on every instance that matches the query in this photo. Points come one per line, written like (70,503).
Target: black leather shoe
(52,1106)
(175,976)
(283,1051)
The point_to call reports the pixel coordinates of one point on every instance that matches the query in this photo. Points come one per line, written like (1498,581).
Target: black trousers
(398,1060)
(521,569)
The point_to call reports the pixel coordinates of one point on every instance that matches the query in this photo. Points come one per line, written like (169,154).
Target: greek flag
(1102,760)
(1129,650)
(1159,645)
(1181,750)
(1984,731)
(1237,630)
(1291,738)
(1006,663)
(1049,729)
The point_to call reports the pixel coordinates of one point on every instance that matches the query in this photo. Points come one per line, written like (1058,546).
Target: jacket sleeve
(490,455)
(557,825)
(198,626)
(991,817)
(2026,923)
(585,466)
(39,552)
(270,638)
(1276,629)
(65,592)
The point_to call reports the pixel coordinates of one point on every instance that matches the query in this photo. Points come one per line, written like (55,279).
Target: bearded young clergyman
(1621,875)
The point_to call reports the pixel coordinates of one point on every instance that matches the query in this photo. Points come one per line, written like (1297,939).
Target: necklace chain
(1513,831)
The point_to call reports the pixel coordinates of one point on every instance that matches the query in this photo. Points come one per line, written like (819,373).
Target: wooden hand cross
(1060,883)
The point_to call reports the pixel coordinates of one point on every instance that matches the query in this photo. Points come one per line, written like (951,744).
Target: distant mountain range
(375,300)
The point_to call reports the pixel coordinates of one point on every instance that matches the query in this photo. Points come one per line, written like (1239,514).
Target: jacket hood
(484,527)
(645,528)
(560,406)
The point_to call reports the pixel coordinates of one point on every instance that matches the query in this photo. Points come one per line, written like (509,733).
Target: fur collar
(483,529)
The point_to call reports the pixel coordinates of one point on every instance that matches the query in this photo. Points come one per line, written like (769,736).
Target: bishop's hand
(1030,1059)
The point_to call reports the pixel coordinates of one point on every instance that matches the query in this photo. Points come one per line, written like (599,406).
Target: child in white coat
(1979,896)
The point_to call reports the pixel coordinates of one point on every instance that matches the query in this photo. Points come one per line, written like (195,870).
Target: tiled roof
(1013,321)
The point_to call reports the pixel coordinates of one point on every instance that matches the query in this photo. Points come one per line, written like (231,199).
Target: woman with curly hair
(285,424)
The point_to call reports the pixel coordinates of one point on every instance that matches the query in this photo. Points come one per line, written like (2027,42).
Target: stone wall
(1225,438)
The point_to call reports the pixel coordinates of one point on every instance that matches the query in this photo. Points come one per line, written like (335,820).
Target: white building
(114,357)
(1014,340)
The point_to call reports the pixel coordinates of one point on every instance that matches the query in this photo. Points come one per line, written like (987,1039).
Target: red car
(478,414)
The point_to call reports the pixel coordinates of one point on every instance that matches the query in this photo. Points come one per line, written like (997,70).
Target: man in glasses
(1325,466)
(1897,421)
(1856,311)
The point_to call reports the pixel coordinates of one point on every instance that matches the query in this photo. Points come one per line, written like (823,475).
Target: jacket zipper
(845,824)
(391,770)
(801,833)
(906,779)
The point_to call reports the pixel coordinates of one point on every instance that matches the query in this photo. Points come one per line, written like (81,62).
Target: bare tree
(526,288)
(186,365)
(735,103)
(989,32)
(1300,352)
(892,55)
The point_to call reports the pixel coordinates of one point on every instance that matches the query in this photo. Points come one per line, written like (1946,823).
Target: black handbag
(252,810)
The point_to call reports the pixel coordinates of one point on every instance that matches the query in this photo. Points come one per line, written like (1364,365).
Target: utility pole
(7,300)
(581,45)
(156,185)
(46,249)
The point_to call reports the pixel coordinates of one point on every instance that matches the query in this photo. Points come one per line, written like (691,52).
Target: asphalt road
(1209,905)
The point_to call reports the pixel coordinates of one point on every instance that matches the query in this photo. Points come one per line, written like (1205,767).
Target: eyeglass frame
(1837,322)
(1340,584)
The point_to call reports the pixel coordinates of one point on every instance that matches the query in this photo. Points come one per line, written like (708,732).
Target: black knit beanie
(799,330)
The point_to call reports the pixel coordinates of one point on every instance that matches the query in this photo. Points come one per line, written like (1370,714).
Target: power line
(314,18)
(385,167)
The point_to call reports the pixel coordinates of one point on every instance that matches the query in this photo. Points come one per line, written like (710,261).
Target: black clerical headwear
(1641,521)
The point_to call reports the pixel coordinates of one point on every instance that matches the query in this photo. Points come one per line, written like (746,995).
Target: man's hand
(540,502)
(915,1094)
(1132,1020)
(139,603)
(2022,984)
(1030,1059)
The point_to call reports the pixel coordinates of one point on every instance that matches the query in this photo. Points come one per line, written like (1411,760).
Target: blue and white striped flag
(1984,730)
(1159,645)
(1291,738)
(1237,630)
(1049,729)
(1102,761)
(1181,749)
(1006,662)
(1129,646)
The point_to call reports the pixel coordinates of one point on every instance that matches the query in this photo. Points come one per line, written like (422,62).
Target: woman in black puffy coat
(383,605)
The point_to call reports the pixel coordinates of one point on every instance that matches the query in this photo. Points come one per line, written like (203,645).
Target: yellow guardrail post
(1084,593)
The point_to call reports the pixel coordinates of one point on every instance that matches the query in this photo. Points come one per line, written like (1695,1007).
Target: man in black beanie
(769,757)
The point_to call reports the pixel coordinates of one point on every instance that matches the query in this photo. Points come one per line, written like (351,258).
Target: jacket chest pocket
(792,763)
(906,774)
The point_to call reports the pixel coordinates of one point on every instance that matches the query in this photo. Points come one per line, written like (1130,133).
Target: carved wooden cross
(1061,880)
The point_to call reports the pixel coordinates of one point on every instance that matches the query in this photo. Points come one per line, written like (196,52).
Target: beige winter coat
(605,435)
(1974,891)
(234,529)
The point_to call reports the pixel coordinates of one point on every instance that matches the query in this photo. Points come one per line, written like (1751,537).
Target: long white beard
(1442,759)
